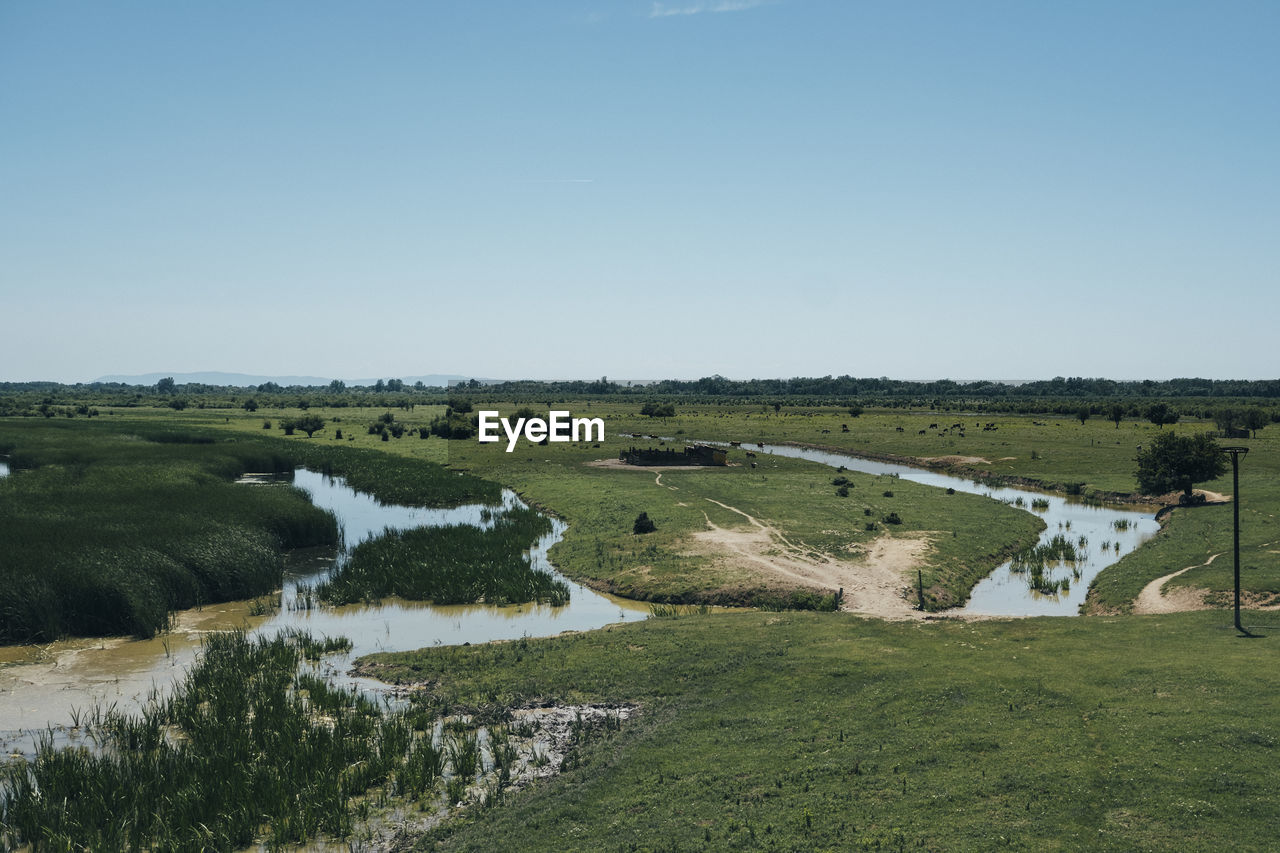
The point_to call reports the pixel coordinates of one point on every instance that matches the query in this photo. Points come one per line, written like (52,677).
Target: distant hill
(245,380)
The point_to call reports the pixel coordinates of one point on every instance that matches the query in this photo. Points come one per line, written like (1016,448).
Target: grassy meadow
(800,731)
(968,535)
(1056,453)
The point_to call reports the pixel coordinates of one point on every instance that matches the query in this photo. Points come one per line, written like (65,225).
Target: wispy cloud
(665,10)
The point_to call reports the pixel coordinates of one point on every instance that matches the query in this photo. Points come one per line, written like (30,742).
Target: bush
(843,491)
(643,524)
(892,518)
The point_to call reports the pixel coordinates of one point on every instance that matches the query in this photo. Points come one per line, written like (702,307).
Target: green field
(1056,452)
(967,535)
(805,732)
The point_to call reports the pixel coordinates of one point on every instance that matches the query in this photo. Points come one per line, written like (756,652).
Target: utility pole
(1236,453)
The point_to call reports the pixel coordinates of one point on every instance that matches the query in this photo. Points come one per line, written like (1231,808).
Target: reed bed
(110,527)
(254,747)
(455,564)
(236,748)
(1038,562)
(106,533)
(249,748)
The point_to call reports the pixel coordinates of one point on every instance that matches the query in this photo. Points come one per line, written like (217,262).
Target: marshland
(885,720)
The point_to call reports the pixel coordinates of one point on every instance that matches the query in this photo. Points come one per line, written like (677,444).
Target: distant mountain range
(245,380)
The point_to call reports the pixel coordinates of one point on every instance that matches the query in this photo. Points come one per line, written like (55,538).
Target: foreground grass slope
(803,731)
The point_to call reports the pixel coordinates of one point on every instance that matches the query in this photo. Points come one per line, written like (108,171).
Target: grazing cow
(922,432)
(750,455)
(933,426)
(753,464)
(760,444)
(825,431)
(735,444)
(900,429)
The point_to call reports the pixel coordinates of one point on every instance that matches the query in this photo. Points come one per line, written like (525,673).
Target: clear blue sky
(640,189)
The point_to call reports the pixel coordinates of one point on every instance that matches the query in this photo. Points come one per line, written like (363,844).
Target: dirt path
(657,470)
(1153,600)
(873,585)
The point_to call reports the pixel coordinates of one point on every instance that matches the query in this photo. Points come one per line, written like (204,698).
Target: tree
(1116,414)
(1227,419)
(855,411)
(1175,461)
(658,410)
(1083,414)
(337,386)
(1255,419)
(166,386)
(310,424)
(1160,414)
(251,405)
(644,524)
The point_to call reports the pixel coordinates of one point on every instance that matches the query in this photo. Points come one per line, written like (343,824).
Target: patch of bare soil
(873,585)
(957,460)
(619,465)
(1174,498)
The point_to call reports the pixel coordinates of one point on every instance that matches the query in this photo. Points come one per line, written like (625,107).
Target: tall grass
(1039,561)
(106,533)
(110,527)
(456,564)
(237,747)
(248,748)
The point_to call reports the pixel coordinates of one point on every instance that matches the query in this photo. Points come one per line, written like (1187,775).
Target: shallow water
(1005,592)
(46,685)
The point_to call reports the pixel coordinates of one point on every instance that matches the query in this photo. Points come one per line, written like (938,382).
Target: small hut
(693,454)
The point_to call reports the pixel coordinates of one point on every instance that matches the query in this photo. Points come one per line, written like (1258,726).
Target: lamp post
(1236,453)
